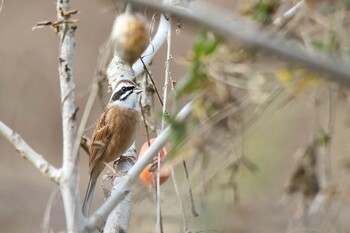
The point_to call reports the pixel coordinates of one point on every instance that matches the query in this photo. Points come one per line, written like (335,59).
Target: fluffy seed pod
(130,36)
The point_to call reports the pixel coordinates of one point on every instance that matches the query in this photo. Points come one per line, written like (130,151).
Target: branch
(69,180)
(159,226)
(98,218)
(28,153)
(154,46)
(289,15)
(128,27)
(65,69)
(117,70)
(337,70)
(118,220)
(1,4)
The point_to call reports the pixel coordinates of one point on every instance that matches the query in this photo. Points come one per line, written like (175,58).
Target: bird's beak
(137,90)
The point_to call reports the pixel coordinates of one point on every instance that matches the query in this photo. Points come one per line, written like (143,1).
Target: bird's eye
(123,89)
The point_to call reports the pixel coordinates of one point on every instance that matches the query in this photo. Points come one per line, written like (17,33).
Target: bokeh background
(30,104)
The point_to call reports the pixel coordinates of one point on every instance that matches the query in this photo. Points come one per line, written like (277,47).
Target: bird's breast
(124,126)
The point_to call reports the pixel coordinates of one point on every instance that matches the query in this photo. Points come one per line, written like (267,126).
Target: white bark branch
(67,90)
(29,154)
(117,70)
(118,220)
(338,70)
(157,41)
(102,213)
(69,180)
(289,15)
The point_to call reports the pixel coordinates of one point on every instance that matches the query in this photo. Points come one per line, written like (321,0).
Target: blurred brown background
(30,104)
(30,99)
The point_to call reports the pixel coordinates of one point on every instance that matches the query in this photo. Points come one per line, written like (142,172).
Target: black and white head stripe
(123,93)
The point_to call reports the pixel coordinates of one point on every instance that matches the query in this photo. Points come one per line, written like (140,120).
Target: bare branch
(154,46)
(102,213)
(1,4)
(69,180)
(117,70)
(118,220)
(159,226)
(338,70)
(29,154)
(67,89)
(289,15)
(176,187)
(47,216)
(128,27)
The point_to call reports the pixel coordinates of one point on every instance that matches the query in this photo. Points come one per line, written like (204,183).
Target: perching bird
(114,133)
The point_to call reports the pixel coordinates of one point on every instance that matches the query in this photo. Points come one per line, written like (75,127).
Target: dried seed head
(130,36)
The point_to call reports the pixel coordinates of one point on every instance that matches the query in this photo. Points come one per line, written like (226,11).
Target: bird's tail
(88,196)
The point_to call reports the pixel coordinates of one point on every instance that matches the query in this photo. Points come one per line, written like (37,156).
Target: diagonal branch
(337,70)
(29,154)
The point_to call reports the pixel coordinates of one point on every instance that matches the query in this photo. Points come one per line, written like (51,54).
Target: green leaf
(318,45)
(323,137)
(197,76)
(263,11)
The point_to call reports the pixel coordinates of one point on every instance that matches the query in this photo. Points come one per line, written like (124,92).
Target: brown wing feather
(116,131)
(102,134)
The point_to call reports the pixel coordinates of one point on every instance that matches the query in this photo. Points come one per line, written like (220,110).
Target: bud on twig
(130,36)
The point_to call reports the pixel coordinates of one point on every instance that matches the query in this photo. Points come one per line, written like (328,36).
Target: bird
(114,133)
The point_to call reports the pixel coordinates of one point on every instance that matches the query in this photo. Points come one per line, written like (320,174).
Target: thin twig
(176,187)
(1,5)
(165,95)
(156,43)
(289,15)
(145,124)
(332,108)
(153,83)
(47,215)
(29,154)
(159,228)
(193,207)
